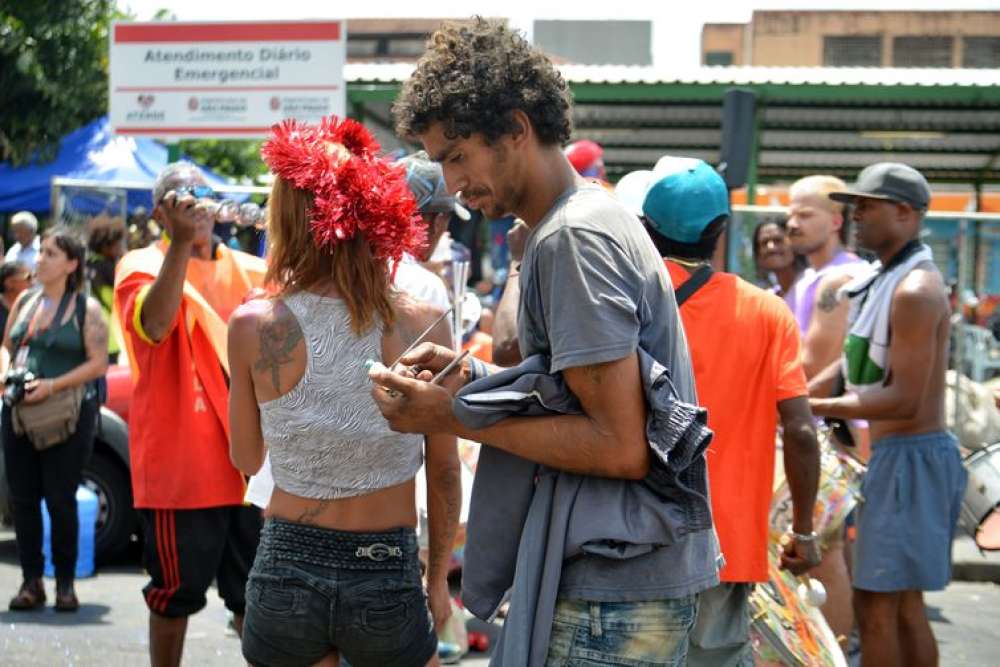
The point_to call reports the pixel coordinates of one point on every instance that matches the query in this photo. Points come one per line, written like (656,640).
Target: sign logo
(193,104)
(275,103)
(146,101)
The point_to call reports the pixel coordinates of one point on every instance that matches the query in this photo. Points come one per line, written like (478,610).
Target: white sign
(224,80)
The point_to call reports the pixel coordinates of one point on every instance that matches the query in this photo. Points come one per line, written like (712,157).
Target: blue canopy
(93,152)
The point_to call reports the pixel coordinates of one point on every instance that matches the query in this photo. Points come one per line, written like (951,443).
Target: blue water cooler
(86,510)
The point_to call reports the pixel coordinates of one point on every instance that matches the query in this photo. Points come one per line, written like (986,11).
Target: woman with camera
(57,340)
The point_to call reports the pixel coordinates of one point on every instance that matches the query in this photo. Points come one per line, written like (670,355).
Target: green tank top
(54,351)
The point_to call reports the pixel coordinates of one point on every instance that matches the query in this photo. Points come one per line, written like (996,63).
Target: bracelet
(477,370)
(52,387)
(800,537)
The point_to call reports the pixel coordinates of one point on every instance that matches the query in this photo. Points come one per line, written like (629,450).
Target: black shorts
(185,550)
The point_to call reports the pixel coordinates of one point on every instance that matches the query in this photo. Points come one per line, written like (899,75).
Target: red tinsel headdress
(353,189)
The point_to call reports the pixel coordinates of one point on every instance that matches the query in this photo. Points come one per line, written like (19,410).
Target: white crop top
(326,438)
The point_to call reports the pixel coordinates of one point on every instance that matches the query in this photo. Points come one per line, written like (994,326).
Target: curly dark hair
(473,76)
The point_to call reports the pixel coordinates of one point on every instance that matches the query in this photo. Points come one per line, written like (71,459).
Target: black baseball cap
(890,181)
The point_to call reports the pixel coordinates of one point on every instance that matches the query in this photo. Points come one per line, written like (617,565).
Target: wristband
(800,537)
(477,370)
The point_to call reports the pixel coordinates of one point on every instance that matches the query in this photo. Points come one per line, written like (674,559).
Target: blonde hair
(821,185)
(296,263)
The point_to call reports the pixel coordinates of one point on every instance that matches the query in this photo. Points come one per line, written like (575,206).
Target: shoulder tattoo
(277,339)
(828,301)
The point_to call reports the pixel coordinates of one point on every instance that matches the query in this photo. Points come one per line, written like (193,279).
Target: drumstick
(435,380)
(447,369)
(420,338)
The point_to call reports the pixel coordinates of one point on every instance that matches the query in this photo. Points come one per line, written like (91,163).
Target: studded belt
(390,550)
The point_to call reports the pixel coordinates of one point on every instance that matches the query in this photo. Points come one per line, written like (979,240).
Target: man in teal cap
(745,351)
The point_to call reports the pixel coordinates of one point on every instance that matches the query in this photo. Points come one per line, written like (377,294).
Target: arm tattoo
(828,299)
(447,485)
(278,338)
(595,373)
(406,333)
(95,331)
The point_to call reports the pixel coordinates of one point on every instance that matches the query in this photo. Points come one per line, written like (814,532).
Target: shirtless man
(894,364)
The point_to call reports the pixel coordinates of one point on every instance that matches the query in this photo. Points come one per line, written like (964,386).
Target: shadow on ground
(87,614)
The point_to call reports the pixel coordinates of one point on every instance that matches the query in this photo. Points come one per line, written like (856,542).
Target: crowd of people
(631,412)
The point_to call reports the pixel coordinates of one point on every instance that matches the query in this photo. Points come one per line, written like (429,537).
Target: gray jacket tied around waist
(525,519)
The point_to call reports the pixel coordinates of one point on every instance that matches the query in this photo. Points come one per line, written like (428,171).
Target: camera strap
(34,312)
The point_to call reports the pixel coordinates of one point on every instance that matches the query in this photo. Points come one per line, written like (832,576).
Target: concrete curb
(976,571)
(969,564)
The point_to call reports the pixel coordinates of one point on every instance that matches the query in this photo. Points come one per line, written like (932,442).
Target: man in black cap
(894,364)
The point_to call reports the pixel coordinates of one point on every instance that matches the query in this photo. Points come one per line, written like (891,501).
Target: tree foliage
(237,158)
(53,72)
(54,80)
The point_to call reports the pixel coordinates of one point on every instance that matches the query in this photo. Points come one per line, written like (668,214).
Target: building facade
(969,39)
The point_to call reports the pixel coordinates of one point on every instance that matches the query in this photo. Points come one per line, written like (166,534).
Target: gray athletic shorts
(912,491)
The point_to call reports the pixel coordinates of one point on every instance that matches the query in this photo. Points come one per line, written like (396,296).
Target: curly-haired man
(495,112)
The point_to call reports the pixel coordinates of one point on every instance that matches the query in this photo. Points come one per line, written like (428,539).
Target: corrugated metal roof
(829,76)
(945,122)
(790,117)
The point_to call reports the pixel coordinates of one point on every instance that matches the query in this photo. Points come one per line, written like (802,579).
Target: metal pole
(358,111)
(758,118)
(460,276)
(959,329)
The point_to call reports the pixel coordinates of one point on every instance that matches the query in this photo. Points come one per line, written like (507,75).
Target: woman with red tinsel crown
(337,571)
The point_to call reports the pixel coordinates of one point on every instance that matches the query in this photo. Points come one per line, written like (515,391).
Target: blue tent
(93,152)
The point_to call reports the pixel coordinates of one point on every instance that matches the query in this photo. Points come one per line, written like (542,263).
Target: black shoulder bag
(53,420)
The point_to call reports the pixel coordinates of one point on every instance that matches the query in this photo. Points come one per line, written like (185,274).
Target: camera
(14,382)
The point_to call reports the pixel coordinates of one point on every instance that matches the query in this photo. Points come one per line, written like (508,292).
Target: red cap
(583,154)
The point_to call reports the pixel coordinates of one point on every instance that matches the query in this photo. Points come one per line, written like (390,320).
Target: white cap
(631,190)
(26,218)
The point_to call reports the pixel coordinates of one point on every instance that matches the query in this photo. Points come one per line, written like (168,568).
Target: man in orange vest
(174,299)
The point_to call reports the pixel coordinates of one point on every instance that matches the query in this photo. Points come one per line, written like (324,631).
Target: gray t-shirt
(593,288)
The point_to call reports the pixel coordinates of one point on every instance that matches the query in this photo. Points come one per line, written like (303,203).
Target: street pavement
(110,628)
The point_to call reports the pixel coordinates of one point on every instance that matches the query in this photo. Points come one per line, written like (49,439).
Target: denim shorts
(313,591)
(721,633)
(636,634)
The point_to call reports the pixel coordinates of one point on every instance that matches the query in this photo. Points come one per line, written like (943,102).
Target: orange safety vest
(198,474)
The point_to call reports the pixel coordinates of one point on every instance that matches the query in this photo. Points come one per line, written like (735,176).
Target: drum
(784,629)
(980,516)
(838,494)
